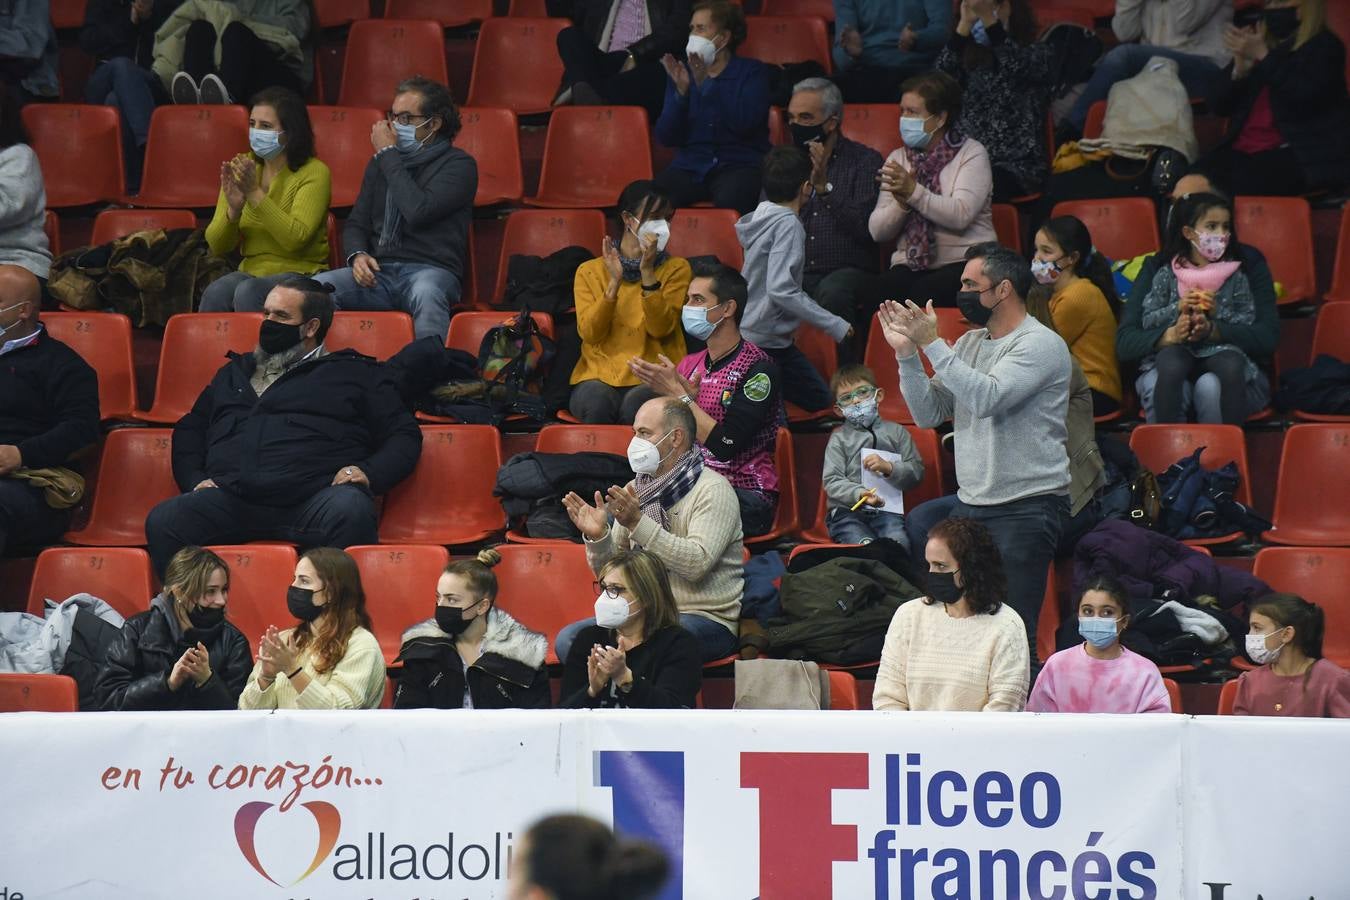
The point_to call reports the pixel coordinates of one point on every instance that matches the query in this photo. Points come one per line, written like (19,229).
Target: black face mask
(274,337)
(942,587)
(974,311)
(805,134)
(451,620)
(205,617)
(1283,22)
(300,601)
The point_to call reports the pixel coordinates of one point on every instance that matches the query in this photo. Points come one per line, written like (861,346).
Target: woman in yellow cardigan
(273,206)
(628,304)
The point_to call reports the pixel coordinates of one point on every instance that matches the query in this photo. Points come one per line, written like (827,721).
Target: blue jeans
(1026,533)
(119,82)
(715,640)
(240,292)
(1199,74)
(802,384)
(865,525)
(423,291)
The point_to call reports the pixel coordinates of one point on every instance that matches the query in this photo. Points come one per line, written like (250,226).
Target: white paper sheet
(894,499)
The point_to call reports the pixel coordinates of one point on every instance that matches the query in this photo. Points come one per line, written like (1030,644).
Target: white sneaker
(184,90)
(213,91)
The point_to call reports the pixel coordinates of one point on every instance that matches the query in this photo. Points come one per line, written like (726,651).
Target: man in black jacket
(407,238)
(612,53)
(290,443)
(48,411)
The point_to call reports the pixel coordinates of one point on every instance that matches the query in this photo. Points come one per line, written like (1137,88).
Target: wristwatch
(829,189)
(687,399)
(651,288)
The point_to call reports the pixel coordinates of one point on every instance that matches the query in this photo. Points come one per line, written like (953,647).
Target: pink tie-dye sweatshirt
(1074,682)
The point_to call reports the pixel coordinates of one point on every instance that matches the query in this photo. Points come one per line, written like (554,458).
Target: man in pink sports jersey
(733,389)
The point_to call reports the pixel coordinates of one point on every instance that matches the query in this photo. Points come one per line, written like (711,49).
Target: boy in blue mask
(853,515)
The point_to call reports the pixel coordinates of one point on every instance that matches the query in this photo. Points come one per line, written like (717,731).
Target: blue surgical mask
(913,133)
(979,34)
(862,414)
(266,144)
(407,137)
(695,321)
(1098,631)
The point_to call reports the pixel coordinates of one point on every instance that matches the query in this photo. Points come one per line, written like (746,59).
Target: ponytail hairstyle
(477,573)
(1073,236)
(577,858)
(1307,620)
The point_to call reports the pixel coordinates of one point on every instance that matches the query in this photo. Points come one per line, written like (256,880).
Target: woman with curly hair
(962,647)
(329,660)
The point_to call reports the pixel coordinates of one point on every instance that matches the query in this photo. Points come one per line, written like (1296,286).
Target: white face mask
(12,325)
(1258,651)
(644,456)
(611,612)
(660,228)
(701,47)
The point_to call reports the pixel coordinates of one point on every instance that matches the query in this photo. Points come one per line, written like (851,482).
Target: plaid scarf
(918,236)
(658,493)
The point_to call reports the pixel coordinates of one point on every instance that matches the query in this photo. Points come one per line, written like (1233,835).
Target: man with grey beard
(290,443)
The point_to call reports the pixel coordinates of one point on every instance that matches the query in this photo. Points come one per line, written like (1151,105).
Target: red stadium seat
(823,354)
(336,258)
(383,52)
(1158,446)
(448,497)
(1047,623)
(400,584)
(880,358)
(337,13)
(1340,274)
(1331,337)
(112,224)
(80,150)
(539,232)
(104,341)
(545,586)
(194,348)
(528,9)
(1312,497)
(134,473)
(1096,118)
(778,130)
(51,227)
(259,577)
(468,328)
(785,519)
(584,439)
(707,232)
(1227,697)
(1008,226)
(450,13)
(121,576)
(930,488)
(342,141)
(377,334)
(179,169)
(591,154)
(1281,228)
(492,138)
(1173,695)
(38,693)
(787,39)
(843,690)
(1122,227)
(1318,575)
(875,124)
(516,64)
(67,14)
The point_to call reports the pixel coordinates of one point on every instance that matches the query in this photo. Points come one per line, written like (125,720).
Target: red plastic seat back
(337,13)
(112,224)
(121,576)
(400,583)
(539,232)
(377,334)
(843,690)
(516,64)
(80,150)
(1332,333)
(187,144)
(591,154)
(194,349)
(1158,446)
(492,138)
(104,341)
(38,693)
(134,474)
(383,52)
(707,232)
(450,13)
(259,577)
(1121,227)
(545,586)
(785,519)
(584,439)
(1281,228)
(1340,274)
(1312,497)
(787,39)
(468,328)
(448,497)
(1008,226)
(342,141)
(875,124)
(1318,575)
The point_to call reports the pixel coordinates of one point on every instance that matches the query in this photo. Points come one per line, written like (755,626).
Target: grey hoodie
(775,254)
(842,475)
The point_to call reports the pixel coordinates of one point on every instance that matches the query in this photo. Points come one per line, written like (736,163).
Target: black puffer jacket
(508,675)
(282,448)
(669,23)
(135,676)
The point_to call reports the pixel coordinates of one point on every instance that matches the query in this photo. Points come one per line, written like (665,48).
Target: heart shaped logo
(246,822)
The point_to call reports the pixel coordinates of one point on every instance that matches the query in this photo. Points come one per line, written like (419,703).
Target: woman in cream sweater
(960,648)
(329,660)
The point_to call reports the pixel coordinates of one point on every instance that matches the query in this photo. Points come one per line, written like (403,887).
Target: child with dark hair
(775,257)
(856,398)
(1285,640)
(1100,675)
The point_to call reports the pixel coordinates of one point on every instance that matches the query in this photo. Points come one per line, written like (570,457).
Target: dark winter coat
(669,20)
(135,676)
(509,674)
(667,671)
(108,31)
(284,447)
(48,402)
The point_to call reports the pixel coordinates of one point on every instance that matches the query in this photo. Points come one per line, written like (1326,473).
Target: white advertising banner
(427,805)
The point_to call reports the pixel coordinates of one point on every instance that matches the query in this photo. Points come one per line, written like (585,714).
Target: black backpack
(1076,51)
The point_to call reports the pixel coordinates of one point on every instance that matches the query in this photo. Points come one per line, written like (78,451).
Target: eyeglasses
(406,118)
(857,396)
(613,591)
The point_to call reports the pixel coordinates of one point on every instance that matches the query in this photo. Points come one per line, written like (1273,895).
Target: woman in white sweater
(960,648)
(937,195)
(329,660)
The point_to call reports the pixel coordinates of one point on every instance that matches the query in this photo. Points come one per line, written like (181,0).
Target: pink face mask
(1211,246)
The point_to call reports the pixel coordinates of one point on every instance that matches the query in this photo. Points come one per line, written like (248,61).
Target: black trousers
(1272,173)
(644,85)
(26,521)
(247,63)
(901,283)
(726,187)
(337,516)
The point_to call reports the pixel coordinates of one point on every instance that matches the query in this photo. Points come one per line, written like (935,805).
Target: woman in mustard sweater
(628,305)
(273,206)
(1083,304)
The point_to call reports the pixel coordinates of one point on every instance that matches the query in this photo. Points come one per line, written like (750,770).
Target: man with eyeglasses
(408,235)
(1005,388)
(681,511)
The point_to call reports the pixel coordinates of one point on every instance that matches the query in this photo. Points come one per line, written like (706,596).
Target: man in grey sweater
(1005,386)
(774,241)
(407,238)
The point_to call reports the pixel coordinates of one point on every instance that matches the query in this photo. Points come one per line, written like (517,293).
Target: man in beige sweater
(680,510)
